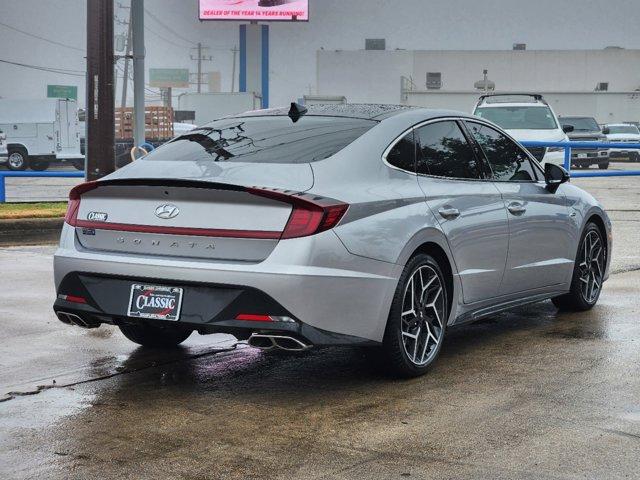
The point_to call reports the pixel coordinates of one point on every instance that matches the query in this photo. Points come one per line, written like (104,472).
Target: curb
(30,231)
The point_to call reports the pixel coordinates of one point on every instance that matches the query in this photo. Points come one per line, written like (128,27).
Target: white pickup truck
(39,132)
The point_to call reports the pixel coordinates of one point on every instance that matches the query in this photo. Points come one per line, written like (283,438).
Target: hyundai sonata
(369,225)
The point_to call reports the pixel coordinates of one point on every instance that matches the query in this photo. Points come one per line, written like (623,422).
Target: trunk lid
(189,210)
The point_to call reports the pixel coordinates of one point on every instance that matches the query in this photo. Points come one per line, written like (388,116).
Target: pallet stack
(158,123)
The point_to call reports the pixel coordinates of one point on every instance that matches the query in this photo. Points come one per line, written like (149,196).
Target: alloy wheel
(423,315)
(16,160)
(591,267)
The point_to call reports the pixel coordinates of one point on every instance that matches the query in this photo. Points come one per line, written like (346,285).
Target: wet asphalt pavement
(527,394)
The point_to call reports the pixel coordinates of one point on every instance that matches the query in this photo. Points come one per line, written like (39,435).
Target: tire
(155,337)
(603,165)
(634,156)
(403,355)
(18,159)
(78,164)
(39,165)
(588,272)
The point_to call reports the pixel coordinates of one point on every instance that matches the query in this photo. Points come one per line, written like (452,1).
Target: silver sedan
(369,225)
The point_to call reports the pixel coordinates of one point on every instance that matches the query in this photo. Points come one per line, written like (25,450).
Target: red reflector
(72,298)
(253,318)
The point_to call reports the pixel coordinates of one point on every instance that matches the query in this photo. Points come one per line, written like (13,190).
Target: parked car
(526,117)
(623,133)
(39,132)
(368,225)
(586,129)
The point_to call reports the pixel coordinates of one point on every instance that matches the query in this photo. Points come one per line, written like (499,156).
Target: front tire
(417,319)
(155,337)
(603,165)
(18,159)
(588,272)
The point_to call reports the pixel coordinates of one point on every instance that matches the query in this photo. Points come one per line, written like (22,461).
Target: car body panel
(540,238)
(341,281)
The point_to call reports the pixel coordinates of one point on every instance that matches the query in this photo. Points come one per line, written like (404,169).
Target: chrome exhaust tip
(282,342)
(73,319)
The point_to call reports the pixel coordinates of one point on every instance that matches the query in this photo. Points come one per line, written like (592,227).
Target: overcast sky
(335,24)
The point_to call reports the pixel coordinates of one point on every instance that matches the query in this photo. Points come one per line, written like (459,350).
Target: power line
(29,34)
(74,73)
(169,28)
(164,39)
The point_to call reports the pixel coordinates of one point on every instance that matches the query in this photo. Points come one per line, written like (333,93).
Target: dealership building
(600,83)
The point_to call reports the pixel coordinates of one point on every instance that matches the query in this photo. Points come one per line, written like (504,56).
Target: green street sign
(169,77)
(62,91)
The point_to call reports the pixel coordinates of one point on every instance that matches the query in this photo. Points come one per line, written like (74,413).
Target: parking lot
(531,393)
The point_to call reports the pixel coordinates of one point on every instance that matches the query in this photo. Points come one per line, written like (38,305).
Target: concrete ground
(531,393)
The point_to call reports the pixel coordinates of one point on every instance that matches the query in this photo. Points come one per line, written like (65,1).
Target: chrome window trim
(414,128)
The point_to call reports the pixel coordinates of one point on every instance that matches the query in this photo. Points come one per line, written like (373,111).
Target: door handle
(449,213)
(516,208)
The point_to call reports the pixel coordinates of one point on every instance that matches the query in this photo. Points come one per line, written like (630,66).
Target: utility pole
(233,70)
(200,58)
(127,49)
(100,117)
(137,25)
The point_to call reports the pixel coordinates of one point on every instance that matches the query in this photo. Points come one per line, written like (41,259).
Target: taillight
(71,217)
(310,214)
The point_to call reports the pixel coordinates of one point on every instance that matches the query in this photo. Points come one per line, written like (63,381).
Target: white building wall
(567,79)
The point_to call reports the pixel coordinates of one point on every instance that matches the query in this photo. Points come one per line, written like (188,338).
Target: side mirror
(568,128)
(554,176)
(606,130)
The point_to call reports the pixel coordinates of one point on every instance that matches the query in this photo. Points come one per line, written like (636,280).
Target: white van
(526,117)
(39,132)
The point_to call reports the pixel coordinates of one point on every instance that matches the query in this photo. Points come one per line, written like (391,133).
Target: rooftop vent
(434,80)
(375,44)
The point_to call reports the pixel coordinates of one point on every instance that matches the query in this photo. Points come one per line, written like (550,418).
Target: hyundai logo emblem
(167,211)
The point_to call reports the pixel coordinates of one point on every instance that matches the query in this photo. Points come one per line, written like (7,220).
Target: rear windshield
(624,129)
(581,124)
(519,118)
(269,139)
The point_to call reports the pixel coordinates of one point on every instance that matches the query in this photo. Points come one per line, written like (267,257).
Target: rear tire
(156,337)
(588,272)
(39,165)
(78,164)
(417,320)
(18,159)
(603,165)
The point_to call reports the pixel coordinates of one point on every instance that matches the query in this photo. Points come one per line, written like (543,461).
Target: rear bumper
(206,308)
(314,280)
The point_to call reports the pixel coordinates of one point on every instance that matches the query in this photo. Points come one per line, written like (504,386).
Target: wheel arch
(17,146)
(441,256)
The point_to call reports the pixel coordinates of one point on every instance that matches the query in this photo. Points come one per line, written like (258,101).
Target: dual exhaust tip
(73,319)
(281,342)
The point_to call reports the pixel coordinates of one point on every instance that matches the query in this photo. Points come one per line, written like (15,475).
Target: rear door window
(268,139)
(443,151)
(508,161)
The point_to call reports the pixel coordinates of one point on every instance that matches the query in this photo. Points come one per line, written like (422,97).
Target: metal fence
(10,174)
(568,146)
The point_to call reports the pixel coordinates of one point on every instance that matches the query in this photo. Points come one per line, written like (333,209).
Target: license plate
(155,302)
(582,155)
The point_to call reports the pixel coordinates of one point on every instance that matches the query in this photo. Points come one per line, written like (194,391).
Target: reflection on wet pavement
(525,394)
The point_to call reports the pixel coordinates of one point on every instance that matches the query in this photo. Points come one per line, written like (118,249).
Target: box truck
(39,132)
